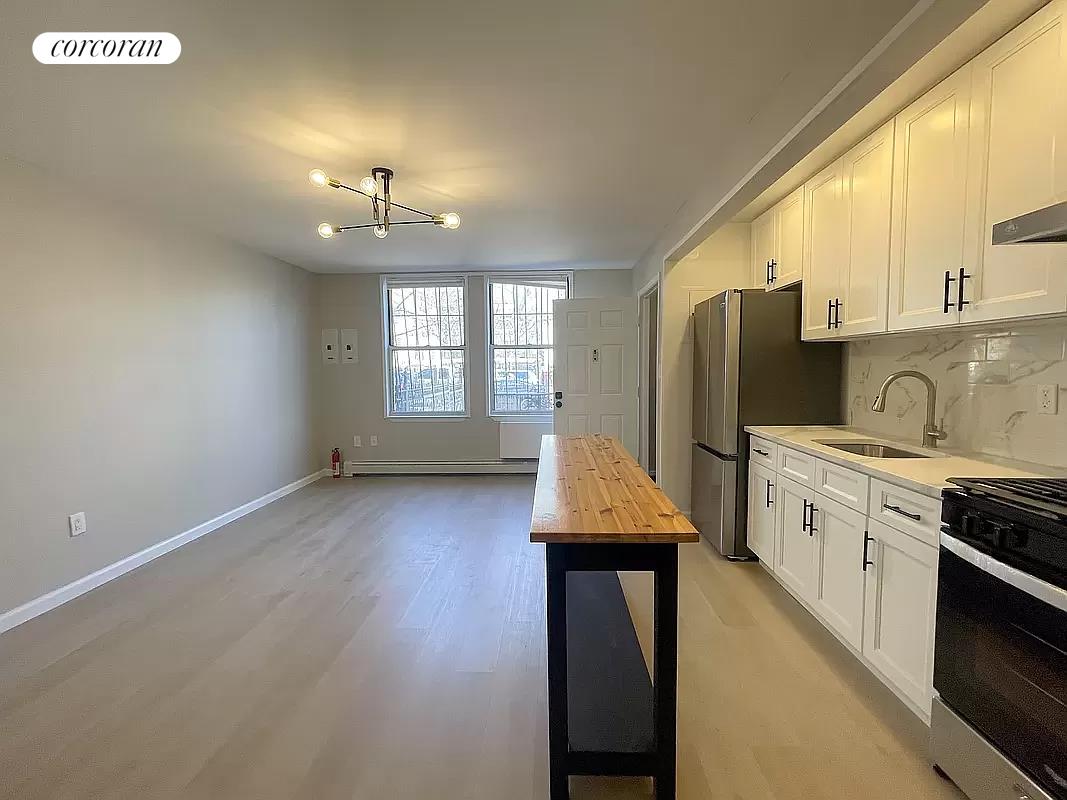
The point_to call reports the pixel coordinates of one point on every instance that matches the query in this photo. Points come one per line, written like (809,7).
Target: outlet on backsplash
(998,389)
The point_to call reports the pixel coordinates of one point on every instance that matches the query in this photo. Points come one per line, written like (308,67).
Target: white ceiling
(566,133)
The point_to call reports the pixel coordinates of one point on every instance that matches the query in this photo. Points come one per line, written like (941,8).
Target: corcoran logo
(106,48)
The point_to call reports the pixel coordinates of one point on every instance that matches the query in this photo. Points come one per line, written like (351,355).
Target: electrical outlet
(357,441)
(1048,398)
(373,441)
(77,523)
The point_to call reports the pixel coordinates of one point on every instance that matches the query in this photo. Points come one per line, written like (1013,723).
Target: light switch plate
(330,346)
(373,441)
(349,346)
(357,441)
(1048,398)
(77,523)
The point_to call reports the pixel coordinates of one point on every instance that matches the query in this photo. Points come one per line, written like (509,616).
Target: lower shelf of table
(610,716)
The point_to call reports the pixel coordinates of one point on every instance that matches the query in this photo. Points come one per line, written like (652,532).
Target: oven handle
(1035,587)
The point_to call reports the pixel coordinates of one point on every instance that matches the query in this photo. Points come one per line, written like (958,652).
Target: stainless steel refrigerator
(750,368)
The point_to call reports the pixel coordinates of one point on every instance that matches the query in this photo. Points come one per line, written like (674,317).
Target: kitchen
(905,486)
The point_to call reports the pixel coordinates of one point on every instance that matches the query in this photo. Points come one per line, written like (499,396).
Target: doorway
(648,382)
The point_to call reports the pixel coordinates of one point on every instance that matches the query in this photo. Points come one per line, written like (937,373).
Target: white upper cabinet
(1018,163)
(867,191)
(789,266)
(764,244)
(825,244)
(929,205)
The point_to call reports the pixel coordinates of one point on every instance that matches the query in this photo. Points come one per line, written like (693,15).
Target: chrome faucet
(931,433)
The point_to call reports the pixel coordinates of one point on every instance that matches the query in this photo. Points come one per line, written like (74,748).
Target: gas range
(999,722)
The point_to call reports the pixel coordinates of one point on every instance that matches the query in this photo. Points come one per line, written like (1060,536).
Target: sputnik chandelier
(376,187)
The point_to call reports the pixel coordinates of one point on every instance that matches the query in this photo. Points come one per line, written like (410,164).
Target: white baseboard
(444,467)
(57,597)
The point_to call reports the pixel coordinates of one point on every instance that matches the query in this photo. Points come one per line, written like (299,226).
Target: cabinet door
(825,238)
(898,625)
(867,188)
(1018,164)
(793,546)
(838,595)
(761,505)
(929,204)
(790,255)
(764,240)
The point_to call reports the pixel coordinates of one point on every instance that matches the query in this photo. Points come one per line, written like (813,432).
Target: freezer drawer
(715,502)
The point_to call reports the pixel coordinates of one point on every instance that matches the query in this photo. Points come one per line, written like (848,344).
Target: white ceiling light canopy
(377,188)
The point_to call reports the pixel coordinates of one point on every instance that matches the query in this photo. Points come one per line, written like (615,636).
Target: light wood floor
(384,638)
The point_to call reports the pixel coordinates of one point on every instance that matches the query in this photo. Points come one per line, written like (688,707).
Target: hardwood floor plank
(384,637)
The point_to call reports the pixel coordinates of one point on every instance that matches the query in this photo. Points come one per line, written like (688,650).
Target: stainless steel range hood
(1044,225)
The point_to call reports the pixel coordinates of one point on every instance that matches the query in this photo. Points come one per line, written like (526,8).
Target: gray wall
(351,395)
(150,377)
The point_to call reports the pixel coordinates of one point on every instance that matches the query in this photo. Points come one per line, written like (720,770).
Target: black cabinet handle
(763,453)
(804,517)
(812,530)
(960,302)
(949,280)
(770,502)
(901,511)
(837,313)
(774,270)
(829,314)
(866,541)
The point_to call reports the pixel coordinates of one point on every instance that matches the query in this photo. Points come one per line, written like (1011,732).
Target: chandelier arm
(342,228)
(392,202)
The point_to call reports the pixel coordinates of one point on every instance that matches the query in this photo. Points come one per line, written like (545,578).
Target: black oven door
(1000,658)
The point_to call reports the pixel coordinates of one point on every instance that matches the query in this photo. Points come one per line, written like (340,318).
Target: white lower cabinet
(837,594)
(873,584)
(794,544)
(761,506)
(898,624)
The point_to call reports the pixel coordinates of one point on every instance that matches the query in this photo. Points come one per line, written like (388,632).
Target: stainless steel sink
(872,449)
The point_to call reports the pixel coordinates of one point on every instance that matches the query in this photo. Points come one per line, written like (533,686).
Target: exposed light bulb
(381,232)
(450,220)
(318,178)
(326,230)
(369,186)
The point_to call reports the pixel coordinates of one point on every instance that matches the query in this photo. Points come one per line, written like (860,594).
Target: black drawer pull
(763,453)
(901,511)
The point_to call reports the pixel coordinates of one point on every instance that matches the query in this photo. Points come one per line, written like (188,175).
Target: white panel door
(929,205)
(898,625)
(761,505)
(595,354)
(825,240)
(764,242)
(1018,164)
(794,546)
(867,189)
(838,595)
(789,266)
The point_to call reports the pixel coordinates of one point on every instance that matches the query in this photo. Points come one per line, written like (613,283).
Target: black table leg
(648,744)
(665,669)
(556,584)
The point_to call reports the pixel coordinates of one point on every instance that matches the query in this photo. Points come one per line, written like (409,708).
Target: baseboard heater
(512,465)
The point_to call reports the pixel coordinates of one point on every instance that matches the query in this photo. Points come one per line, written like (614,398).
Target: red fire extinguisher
(335,460)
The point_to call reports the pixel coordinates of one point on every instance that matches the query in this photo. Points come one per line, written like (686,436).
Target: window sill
(520,419)
(426,417)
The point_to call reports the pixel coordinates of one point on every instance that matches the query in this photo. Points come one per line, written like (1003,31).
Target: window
(426,347)
(520,342)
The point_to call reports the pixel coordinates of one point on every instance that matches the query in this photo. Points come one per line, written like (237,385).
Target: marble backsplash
(987,388)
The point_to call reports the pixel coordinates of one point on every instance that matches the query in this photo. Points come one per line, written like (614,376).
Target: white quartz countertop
(926,475)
